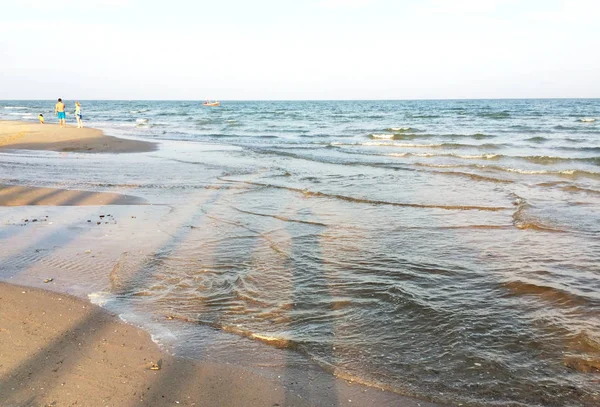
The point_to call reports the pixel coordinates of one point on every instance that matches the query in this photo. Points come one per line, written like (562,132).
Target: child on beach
(41,117)
(78,115)
(59,111)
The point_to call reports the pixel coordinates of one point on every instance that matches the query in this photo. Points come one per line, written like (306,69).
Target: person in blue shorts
(59,110)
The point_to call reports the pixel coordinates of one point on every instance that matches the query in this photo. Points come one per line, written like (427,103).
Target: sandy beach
(61,350)
(34,136)
(57,350)
(15,195)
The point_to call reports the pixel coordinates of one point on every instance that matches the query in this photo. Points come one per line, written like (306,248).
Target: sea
(444,249)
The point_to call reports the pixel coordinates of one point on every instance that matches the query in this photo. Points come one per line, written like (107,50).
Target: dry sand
(35,136)
(57,350)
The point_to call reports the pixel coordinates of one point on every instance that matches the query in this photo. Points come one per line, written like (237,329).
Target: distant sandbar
(35,136)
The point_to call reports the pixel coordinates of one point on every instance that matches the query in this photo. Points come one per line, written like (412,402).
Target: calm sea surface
(447,249)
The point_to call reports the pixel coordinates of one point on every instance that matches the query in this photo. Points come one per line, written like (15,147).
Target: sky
(299,49)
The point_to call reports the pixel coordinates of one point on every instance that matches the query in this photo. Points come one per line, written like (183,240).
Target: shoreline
(57,349)
(20,135)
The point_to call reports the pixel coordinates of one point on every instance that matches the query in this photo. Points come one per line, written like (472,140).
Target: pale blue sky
(302,49)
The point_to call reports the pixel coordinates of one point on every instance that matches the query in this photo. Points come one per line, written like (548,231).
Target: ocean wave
(556,296)
(524,220)
(424,116)
(318,194)
(391,144)
(413,136)
(283,342)
(549,159)
(475,177)
(495,115)
(430,145)
(526,129)
(582,364)
(400,129)
(587,148)
(466,156)
(587,120)
(575,173)
(16,107)
(584,341)
(576,189)
(566,173)
(172,114)
(538,139)
(282,218)
(440,165)
(479,156)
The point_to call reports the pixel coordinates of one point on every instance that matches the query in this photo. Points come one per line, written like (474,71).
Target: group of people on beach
(59,111)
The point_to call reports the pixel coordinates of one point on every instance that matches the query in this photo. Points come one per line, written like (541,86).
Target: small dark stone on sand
(89,220)
(98,223)
(101,216)
(35,220)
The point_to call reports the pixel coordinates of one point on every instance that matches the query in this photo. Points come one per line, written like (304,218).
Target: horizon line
(314,100)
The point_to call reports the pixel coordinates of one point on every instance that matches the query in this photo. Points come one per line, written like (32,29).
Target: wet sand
(15,195)
(59,350)
(35,136)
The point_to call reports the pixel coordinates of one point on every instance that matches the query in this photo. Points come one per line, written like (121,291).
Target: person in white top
(78,115)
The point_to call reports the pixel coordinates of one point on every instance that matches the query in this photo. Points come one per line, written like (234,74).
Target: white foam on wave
(382,136)
(381,143)
(469,157)
(587,120)
(520,171)
(16,107)
(100,298)
(480,156)
(539,172)
(400,128)
(441,165)
(141,120)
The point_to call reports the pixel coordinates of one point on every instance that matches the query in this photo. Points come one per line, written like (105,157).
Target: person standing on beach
(78,115)
(59,110)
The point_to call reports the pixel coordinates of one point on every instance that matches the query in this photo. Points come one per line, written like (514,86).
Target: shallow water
(447,249)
